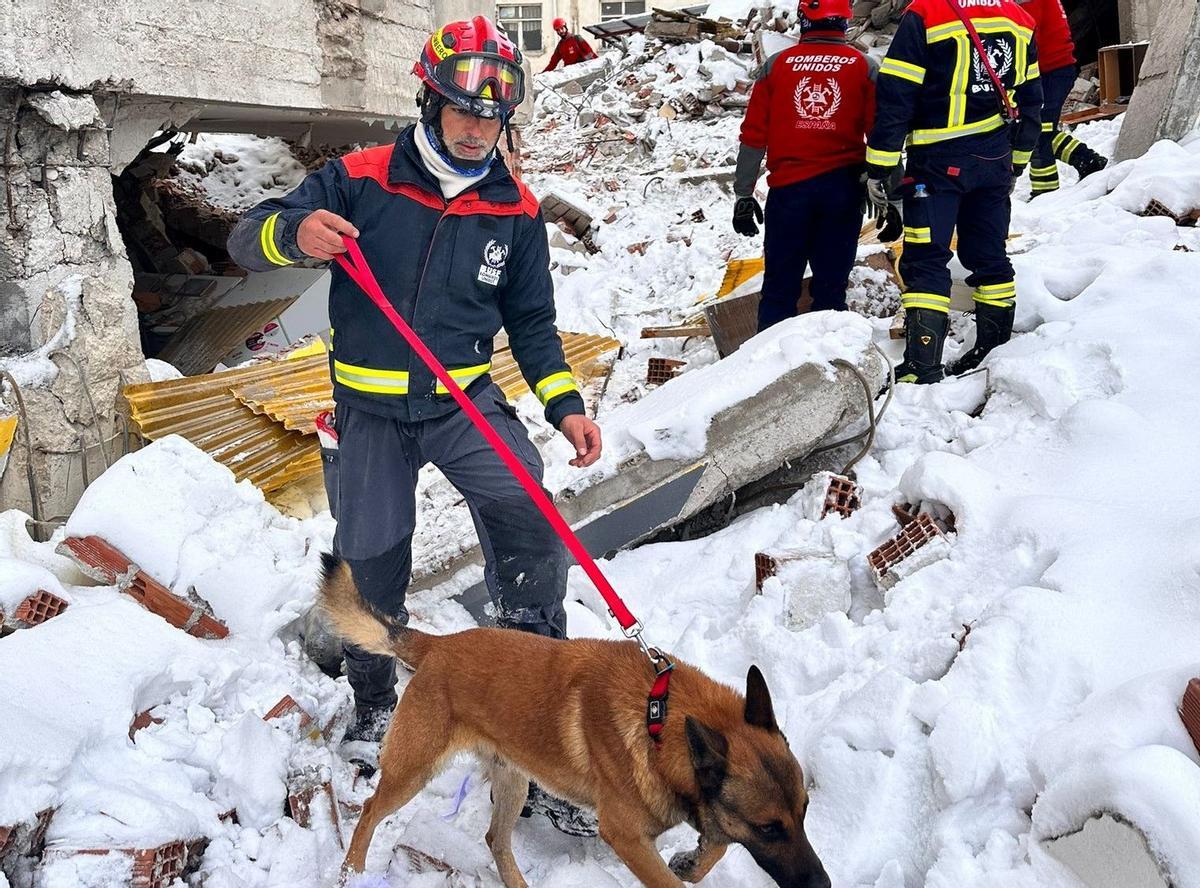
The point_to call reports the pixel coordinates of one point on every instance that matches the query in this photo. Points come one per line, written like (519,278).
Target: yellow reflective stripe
(930,136)
(1064,153)
(1042,172)
(903,70)
(882,158)
(917,235)
(933,301)
(1033,72)
(990,25)
(464,376)
(1047,127)
(266,237)
(997,288)
(1039,187)
(372,382)
(998,303)
(959,81)
(395,382)
(1022,156)
(554,385)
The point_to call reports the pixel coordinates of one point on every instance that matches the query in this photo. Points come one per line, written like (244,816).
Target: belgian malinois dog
(572,716)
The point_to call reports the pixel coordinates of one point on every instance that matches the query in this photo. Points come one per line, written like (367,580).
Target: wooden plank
(1087,115)
(681,330)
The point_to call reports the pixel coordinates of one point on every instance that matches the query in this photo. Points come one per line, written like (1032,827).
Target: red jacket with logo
(1055,47)
(570,49)
(811,109)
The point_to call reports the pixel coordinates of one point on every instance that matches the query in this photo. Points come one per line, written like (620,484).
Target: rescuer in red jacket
(1056,58)
(810,111)
(571,48)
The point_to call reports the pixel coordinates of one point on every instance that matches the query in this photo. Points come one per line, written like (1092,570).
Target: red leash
(360,272)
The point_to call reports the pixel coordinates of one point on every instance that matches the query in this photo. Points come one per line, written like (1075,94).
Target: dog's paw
(683,864)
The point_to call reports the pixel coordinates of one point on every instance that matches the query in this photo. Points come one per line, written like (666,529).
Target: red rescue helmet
(816,10)
(475,66)
(559,24)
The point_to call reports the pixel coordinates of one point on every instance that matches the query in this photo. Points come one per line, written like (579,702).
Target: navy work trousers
(371,480)
(812,222)
(966,187)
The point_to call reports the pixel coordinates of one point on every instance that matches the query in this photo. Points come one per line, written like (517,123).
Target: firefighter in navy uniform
(1056,59)
(810,112)
(936,95)
(459,247)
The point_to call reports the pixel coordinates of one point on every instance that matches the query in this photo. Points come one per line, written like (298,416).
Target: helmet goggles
(484,78)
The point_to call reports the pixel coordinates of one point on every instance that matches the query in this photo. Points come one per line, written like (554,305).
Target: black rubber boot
(563,816)
(993,327)
(1071,151)
(360,745)
(925,334)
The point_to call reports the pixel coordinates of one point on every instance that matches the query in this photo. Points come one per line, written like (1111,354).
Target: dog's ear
(710,751)
(759,711)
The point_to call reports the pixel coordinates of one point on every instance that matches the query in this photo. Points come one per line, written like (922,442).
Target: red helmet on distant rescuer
(474,66)
(559,25)
(816,10)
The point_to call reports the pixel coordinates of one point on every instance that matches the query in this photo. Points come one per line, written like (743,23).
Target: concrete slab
(1108,853)
(783,422)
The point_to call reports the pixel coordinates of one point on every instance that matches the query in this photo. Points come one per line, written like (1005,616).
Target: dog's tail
(359,623)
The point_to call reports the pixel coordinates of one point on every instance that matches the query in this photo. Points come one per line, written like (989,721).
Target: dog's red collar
(656,705)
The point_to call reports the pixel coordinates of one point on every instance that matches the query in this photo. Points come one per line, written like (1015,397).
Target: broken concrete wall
(69,328)
(1166,102)
(1137,19)
(325,55)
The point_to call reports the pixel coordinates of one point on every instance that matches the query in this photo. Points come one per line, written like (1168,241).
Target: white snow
(235,172)
(994,698)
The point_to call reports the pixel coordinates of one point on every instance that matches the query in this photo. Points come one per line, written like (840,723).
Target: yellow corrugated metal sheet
(203,341)
(258,421)
(204,410)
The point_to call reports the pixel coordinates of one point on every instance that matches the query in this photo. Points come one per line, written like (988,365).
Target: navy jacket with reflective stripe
(455,270)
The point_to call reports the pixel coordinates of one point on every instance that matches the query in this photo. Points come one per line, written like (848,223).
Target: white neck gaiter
(452,181)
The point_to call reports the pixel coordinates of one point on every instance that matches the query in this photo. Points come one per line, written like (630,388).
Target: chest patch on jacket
(495,254)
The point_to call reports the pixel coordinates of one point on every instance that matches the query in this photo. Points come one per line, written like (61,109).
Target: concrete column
(69,324)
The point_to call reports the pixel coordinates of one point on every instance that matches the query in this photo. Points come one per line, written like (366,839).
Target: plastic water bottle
(919,190)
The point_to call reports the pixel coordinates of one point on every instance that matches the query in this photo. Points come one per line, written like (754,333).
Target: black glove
(1017,170)
(891,226)
(877,196)
(745,211)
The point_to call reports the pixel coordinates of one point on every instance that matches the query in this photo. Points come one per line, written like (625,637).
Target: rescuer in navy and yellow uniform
(459,247)
(936,96)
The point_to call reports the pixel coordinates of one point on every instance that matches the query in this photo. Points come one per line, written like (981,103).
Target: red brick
(287,706)
(105,562)
(159,867)
(25,839)
(38,608)
(916,534)
(303,789)
(841,498)
(764,566)
(1189,711)
(142,720)
(660,370)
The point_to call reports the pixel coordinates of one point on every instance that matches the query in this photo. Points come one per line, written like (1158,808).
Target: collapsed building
(89,96)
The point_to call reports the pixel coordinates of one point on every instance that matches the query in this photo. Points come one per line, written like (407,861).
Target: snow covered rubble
(1069,466)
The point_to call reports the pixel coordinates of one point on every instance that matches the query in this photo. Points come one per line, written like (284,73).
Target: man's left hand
(584,436)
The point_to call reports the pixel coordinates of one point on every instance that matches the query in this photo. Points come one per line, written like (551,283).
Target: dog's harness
(656,706)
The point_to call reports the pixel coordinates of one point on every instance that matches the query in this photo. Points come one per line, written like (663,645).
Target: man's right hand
(877,196)
(745,211)
(320,234)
